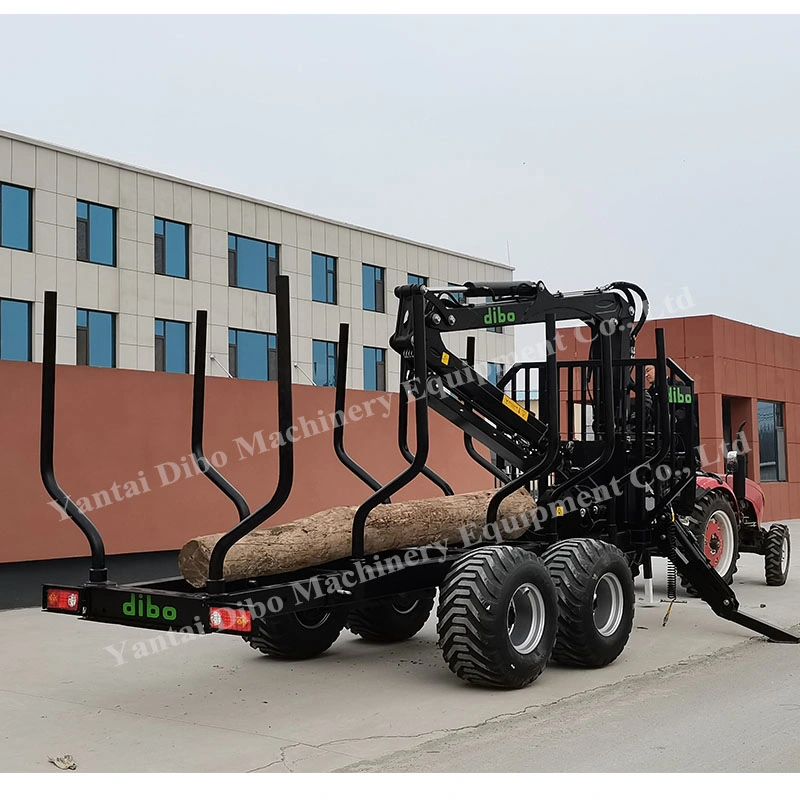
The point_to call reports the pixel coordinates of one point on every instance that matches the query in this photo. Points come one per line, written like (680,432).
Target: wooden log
(326,535)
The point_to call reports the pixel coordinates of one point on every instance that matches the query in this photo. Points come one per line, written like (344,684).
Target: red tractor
(727,521)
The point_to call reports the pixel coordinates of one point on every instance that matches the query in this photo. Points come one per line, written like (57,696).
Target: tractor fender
(713,483)
(754,497)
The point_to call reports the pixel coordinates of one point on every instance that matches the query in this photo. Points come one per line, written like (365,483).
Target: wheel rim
(718,542)
(609,604)
(785,554)
(312,618)
(525,618)
(403,604)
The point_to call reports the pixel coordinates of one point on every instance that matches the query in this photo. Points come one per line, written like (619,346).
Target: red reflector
(231,619)
(64,600)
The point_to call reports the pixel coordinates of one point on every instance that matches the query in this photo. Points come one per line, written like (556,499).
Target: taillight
(231,619)
(68,600)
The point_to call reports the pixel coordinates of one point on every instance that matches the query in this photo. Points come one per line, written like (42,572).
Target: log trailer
(613,466)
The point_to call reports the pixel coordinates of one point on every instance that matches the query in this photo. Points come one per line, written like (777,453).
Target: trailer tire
(299,635)
(595,601)
(497,617)
(777,554)
(713,523)
(392,619)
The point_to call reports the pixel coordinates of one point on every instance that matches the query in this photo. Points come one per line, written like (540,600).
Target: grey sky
(658,150)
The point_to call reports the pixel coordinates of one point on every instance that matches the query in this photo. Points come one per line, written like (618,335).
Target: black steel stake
(216,582)
(97,572)
(198,413)
(421,420)
(339,403)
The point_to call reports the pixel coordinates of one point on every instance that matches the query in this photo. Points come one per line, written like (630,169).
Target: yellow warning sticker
(515,407)
(445,358)
(559,511)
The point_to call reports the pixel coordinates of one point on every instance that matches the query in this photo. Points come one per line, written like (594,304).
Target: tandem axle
(610,459)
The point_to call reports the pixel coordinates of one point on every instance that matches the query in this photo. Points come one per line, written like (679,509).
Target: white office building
(133,254)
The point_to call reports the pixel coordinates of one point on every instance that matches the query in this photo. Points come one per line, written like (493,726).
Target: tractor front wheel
(777,554)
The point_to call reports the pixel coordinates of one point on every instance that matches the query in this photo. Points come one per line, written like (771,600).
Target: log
(326,535)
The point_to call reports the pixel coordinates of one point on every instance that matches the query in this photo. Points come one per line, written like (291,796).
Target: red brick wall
(728,358)
(112,424)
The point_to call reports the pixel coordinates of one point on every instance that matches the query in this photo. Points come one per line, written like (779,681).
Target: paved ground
(212,704)
(734,711)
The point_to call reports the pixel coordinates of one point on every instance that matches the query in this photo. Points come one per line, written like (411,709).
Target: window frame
(500,368)
(328,356)
(28,338)
(272,354)
(379,365)
(233,264)
(78,220)
(780,445)
(418,280)
(328,271)
(29,190)
(459,296)
(161,339)
(376,282)
(88,338)
(161,238)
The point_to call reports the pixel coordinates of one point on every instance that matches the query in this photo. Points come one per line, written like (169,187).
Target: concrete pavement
(734,711)
(213,704)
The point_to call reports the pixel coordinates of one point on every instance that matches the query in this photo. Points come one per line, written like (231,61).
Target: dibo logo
(495,316)
(144,608)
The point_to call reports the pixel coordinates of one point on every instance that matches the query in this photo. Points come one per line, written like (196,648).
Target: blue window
(15,217)
(96,340)
(252,355)
(771,442)
(96,240)
(373,288)
(252,264)
(495,372)
(15,330)
(172,346)
(171,241)
(323,278)
(459,296)
(324,355)
(375,369)
(417,280)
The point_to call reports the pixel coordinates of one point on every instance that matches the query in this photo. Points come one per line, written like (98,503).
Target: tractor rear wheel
(299,635)
(595,601)
(713,522)
(392,619)
(497,617)
(777,554)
